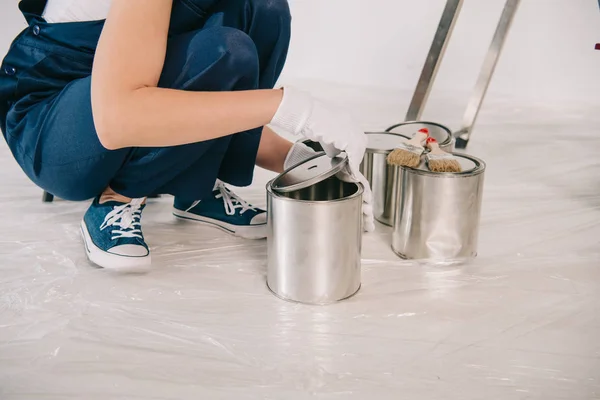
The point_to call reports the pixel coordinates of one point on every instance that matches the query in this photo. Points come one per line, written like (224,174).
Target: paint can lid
(312,171)
(383,142)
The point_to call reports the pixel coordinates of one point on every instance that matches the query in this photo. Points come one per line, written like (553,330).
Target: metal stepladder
(434,60)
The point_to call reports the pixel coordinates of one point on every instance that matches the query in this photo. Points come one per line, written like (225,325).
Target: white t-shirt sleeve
(76,10)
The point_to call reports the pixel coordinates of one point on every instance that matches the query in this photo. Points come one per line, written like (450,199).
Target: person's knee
(235,50)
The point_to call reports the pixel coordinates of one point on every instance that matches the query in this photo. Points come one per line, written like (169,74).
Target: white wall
(11,23)
(549,54)
(548,57)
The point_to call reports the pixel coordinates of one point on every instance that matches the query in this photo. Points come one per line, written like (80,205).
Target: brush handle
(419,138)
(434,148)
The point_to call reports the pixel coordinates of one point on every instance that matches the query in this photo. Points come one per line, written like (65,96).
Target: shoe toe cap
(129,250)
(259,219)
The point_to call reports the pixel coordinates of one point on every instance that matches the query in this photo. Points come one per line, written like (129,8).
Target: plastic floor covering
(520,322)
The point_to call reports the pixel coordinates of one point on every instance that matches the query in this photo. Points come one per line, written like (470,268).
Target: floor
(517,323)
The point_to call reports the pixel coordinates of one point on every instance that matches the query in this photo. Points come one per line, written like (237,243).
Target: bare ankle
(111,195)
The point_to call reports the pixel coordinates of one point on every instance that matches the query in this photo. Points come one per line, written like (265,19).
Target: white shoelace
(231,201)
(127,218)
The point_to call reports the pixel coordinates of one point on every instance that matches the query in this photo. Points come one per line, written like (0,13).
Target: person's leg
(211,59)
(267,23)
(69,160)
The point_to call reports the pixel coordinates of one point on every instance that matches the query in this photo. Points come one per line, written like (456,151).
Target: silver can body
(314,242)
(381,176)
(438,215)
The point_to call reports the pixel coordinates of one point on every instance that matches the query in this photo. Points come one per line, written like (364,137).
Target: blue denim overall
(45,103)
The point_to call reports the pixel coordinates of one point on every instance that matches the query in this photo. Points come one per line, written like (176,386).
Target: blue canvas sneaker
(112,234)
(227,211)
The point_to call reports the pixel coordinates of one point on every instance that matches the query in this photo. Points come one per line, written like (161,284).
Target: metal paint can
(314,237)
(438,213)
(380,175)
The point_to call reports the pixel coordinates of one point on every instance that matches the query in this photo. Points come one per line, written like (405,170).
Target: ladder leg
(486,74)
(434,59)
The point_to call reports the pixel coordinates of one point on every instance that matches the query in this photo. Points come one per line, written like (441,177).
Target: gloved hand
(300,114)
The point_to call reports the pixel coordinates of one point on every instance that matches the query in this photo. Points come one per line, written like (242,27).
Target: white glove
(300,114)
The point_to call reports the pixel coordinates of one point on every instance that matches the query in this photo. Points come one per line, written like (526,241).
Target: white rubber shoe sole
(111,261)
(252,232)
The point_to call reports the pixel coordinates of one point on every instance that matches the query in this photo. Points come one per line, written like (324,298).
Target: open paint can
(314,234)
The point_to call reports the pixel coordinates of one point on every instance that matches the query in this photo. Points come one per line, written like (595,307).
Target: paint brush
(408,154)
(440,161)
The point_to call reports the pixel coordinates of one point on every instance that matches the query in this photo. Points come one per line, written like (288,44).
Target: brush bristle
(443,164)
(406,155)
(404,158)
